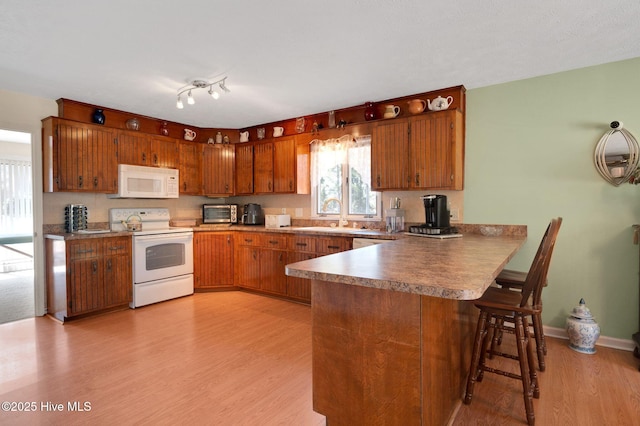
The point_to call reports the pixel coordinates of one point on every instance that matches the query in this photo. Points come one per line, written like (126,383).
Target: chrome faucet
(342,221)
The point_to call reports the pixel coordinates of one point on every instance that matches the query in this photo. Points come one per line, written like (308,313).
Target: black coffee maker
(436,211)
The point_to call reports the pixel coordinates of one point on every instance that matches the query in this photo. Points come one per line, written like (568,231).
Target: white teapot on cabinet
(439,103)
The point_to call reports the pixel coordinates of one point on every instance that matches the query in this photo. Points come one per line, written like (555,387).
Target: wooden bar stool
(498,306)
(514,280)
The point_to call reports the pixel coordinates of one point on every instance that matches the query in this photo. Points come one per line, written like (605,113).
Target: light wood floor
(240,359)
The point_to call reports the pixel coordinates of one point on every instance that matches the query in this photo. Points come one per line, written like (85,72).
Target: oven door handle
(164,237)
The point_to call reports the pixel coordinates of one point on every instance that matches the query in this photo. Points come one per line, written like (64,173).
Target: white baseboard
(609,342)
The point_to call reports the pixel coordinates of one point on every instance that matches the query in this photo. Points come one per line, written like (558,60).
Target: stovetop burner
(430,230)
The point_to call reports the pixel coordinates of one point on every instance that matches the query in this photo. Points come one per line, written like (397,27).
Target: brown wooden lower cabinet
(260,260)
(87,275)
(213,260)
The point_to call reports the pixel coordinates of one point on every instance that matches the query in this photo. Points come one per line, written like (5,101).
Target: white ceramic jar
(583,330)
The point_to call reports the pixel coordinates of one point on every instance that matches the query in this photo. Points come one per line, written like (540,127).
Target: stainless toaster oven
(220,213)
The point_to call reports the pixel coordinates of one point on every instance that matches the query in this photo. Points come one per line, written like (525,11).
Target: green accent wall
(529,157)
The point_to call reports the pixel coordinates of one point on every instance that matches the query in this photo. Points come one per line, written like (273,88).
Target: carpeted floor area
(16,296)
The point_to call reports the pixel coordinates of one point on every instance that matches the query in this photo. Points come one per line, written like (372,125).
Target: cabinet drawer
(328,245)
(306,243)
(119,245)
(274,241)
(85,249)
(249,239)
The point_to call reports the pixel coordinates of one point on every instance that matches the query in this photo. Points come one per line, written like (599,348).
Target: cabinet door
(86,158)
(133,148)
(164,152)
(247,267)
(85,285)
(244,169)
(272,271)
(299,288)
(435,151)
(389,160)
(213,259)
(218,170)
(263,168)
(118,281)
(190,168)
(284,166)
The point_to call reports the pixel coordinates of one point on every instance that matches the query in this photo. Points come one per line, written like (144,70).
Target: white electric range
(162,255)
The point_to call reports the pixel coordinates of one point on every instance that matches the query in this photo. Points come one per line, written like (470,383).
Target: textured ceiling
(288,58)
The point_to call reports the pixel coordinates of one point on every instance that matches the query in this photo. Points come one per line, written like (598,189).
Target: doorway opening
(17,283)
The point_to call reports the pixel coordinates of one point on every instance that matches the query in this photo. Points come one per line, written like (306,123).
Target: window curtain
(327,154)
(15,196)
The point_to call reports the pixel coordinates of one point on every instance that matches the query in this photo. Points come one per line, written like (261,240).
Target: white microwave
(146,182)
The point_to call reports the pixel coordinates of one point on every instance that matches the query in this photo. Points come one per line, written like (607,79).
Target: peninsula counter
(393,326)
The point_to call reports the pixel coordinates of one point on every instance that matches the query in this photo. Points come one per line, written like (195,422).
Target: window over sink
(341,179)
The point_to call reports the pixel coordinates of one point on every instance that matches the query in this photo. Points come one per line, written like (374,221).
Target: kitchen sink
(336,230)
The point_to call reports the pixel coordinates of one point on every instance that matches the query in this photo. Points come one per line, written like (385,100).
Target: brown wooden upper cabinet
(421,152)
(78,157)
(244,169)
(263,168)
(273,166)
(191,168)
(218,170)
(163,152)
(142,149)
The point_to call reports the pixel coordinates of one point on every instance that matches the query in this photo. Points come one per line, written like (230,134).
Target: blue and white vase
(583,330)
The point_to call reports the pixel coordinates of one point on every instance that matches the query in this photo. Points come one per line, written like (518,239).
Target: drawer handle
(84,251)
(247,240)
(155,158)
(109,265)
(378,181)
(333,247)
(144,157)
(417,178)
(116,248)
(94,266)
(95,181)
(301,244)
(80,181)
(273,242)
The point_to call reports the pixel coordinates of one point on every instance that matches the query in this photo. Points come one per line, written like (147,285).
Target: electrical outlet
(455,214)
(284,210)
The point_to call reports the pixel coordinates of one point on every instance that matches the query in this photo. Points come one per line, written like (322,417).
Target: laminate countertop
(455,268)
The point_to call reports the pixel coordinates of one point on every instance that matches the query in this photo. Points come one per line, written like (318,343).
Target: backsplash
(190,207)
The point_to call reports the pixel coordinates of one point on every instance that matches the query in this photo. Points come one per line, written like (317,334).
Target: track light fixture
(201,84)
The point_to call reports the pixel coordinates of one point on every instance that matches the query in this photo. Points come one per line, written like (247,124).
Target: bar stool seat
(499,306)
(514,280)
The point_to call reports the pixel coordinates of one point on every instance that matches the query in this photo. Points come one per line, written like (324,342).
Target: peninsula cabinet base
(388,357)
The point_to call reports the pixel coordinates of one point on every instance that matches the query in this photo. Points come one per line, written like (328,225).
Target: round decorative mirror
(617,154)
